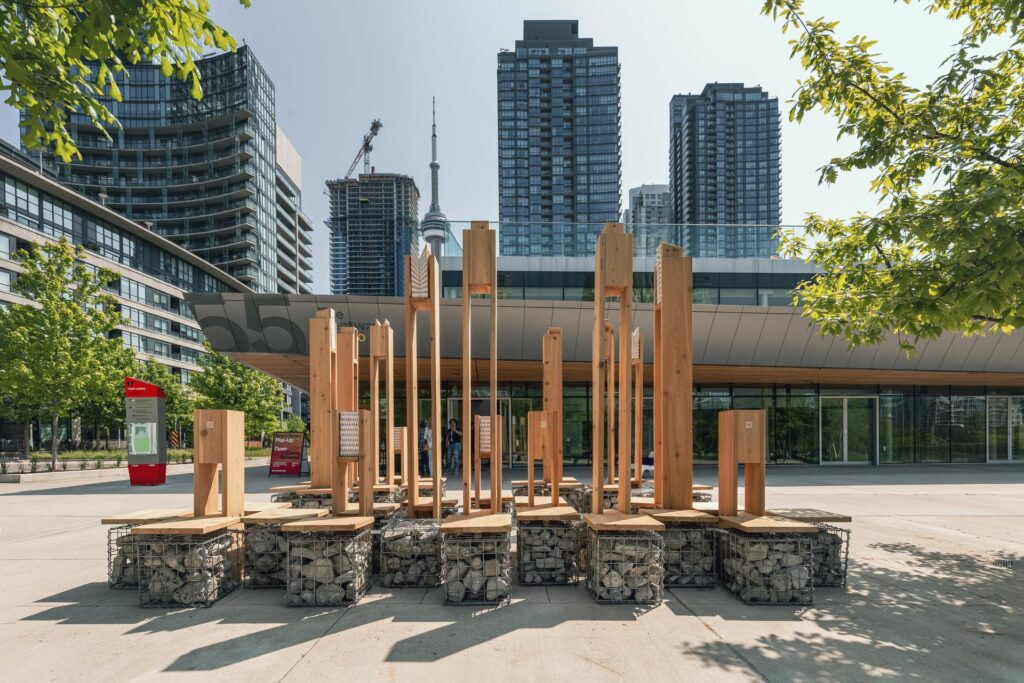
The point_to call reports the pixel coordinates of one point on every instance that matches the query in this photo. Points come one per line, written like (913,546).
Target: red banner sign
(286,453)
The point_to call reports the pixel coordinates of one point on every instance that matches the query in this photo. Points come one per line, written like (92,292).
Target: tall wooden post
(480,276)
(347,400)
(637,357)
(673,379)
(422,293)
(542,439)
(613,276)
(382,350)
(741,440)
(552,350)
(323,347)
(609,376)
(219,438)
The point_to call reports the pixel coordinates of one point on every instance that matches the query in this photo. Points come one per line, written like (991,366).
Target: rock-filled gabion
(701,496)
(410,553)
(625,566)
(579,498)
(477,567)
(186,571)
(768,569)
(122,568)
(266,557)
(539,489)
(689,555)
(830,555)
(548,552)
(378,496)
(327,568)
(311,501)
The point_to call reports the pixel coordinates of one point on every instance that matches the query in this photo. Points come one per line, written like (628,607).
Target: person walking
(425,439)
(454,435)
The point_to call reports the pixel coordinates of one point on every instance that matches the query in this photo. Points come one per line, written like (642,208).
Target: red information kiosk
(147,433)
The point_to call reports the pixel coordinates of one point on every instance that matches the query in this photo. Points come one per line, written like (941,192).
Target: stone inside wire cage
(768,569)
(410,553)
(548,552)
(830,557)
(327,568)
(122,565)
(477,568)
(690,555)
(625,566)
(266,557)
(187,571)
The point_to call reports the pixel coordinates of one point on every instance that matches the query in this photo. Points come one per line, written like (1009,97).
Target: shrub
(83,464)
(50,467)
(3,467)
(63,465)
(118,460)
(33,466)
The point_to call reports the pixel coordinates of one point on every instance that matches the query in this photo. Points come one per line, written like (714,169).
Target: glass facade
(724,168)
(198,172)
(559,140)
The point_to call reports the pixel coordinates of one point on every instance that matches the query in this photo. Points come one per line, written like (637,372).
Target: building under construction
(373,222)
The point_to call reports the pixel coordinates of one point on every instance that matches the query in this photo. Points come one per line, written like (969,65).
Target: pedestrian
(454,435)
(425,438)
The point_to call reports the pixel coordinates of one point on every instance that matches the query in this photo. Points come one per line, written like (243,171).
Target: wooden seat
(810,515)
(379,510)
(617,521)
(476,523)
(523,502)
(682,516)
(147,515)
(290,488)
(253,508)
(282,516)
(191,526)
(329,524)
(559,513)
(765,524)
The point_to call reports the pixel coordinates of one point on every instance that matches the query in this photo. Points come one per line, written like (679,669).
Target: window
(5,280)
(6,246)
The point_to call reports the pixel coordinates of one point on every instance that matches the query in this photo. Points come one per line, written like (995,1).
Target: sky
(339,64)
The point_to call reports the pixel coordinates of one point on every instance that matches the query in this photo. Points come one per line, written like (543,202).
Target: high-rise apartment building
(649,205)
(559,157)
(201,173)
(294,229)
(373,222)
(724,170)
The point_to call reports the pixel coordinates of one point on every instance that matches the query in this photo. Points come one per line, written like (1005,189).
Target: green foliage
(55,353)
(33,466)
(294,423)
(58,57)
(179,401)
(227,384)
(945,248)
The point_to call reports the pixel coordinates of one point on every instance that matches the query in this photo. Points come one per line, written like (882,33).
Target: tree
(58,57)
(294,423)
(54,351)
(179,401)
(227,384)
(945,249)
(104,404)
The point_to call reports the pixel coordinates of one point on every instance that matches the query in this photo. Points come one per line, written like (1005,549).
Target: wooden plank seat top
(329,524)
(477,524)
(485,498)
(523,502)
(424,481)
(315,492)
(379,510)
(379,488)
(682,516)
(147,515)
(188,526)
(617,521)
(289,488)
(810,515)
(282,516)
(427,503)
(548,514)
(753,524)
(253,508)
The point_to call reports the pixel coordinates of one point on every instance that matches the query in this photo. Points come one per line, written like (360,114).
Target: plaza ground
(927,599)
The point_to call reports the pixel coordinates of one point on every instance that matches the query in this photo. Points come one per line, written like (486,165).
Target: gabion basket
(266,557)
(187,571)
(701,496)
(768,569)
(548,552)
(327,568)
(540,488)
(579,498)
(410,553)
(830,555)
(311,501)
(122,565)
(625,567)
(378,496)
(477,568)
(690,555)
(286,497)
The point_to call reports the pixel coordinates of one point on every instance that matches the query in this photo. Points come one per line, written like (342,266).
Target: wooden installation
(480,276)
(552,389)
(613,276)
(323,349)
(673,378)
(346,392)
(382,350)
(398,441)
(741,440)
(219,438)
(637,362)
(542,441)
(422,293)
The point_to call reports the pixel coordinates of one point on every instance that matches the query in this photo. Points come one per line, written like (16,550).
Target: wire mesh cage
(701,496)
(540,488)
(768,569)
(548,552)
(689,555)
(410,553)
(830,555)
(625,566)
(477,568)
(311,501)
(579,498)
(284,497)
(122,565)
(187,571)
(327,568)
(378,496)
(266,556)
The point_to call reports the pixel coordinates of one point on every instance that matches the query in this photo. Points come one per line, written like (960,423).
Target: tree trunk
(53,442)
(26,440)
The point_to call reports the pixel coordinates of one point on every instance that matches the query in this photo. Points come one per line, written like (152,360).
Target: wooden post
(673,378)
(542,440)
(382,350)
(609,377)
(553,403)
(741,440)
(480,276)
(613,276)
(422,293)
(219,438)
(347,392)
(323,347)
(368,458)
(398,439)
(637,356)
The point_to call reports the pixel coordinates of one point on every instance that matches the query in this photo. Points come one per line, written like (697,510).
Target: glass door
(849,429)
(1005,428)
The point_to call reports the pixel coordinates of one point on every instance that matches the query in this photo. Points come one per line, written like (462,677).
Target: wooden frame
(542,439)
(219,438)
(398,441)
(613,276)
(323,347)
(346,387)
(382,349)
(741,440)
(422,293)
(637,361)
(673,379)
(480,276)
(552,361)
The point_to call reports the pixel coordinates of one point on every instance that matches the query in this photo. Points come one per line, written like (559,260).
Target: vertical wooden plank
(367,462)
(609,346)
(477,465)
(675,376)
(497,434)
(410,471)
(233,466)
(659,410)
(726,464)
(347,397)
(597,363)
(378,338)
(389,373)
(470,446)
(625,381)
(638,406)
(207,456)
(552,350)
(533,445)
(436,427)
(322,347)
(497,446)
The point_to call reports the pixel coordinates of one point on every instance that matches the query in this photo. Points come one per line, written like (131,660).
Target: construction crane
(365,149)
